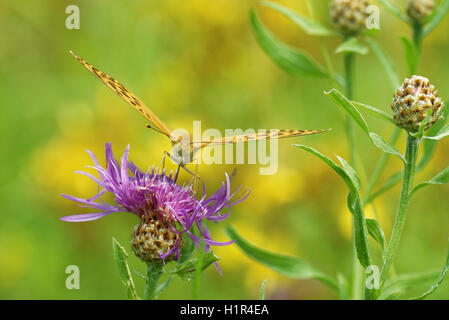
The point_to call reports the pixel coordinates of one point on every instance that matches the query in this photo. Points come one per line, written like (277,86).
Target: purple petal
(86,217)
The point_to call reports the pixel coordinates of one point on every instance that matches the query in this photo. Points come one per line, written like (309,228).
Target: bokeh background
(189,60)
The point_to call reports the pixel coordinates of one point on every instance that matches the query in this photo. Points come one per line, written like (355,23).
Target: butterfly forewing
(128,96)
(273,134)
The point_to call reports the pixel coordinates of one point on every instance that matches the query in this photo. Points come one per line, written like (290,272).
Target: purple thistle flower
(157,200)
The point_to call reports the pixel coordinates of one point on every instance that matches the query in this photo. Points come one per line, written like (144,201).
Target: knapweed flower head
(419,10)
(349,16)
(166,209)
(413,102)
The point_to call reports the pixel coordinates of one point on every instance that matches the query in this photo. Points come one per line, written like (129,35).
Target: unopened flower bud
(419,10)
(349,16)
(152,238)
(412,103)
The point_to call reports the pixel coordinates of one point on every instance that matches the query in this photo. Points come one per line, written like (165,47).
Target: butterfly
(183,150)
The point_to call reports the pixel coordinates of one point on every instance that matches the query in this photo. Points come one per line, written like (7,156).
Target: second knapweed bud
(349,16)
(413,102)
(419,10)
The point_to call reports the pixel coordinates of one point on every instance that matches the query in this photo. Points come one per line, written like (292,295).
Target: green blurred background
(189,60)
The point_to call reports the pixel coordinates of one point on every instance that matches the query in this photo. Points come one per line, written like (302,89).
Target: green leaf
(374,111)
(288,266)
(411,54)
(351,173)
(404,282)
(291,60)
(350,109)
(349,182)
(437,283)
(187,248)
(394,10)
(347,173)
(186,270)
(437,16)
(140,274)
(121,260)
(386,63)
(444,132)
(385,146)
(360,229)
(342,287)
(262,290)
(309,26)
(375,231)
(161,287)
(352,45)
(429,145)
(441,178)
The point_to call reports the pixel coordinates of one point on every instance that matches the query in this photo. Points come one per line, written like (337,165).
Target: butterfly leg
(196,179)
(162,163)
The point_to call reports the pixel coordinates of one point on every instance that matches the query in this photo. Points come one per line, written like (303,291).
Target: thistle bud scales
(412,102)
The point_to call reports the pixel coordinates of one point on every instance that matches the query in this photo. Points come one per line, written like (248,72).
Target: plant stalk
(357,274)
(154,271)
(407,184)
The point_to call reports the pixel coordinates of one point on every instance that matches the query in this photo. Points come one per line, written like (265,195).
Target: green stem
(418,38)
(199,269)
(154,272)
(349,62)
(407,183)
(357,274)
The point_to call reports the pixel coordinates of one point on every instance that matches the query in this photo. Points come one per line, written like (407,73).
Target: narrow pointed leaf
(444,132)
(349,182)
(347,173)
(360,229)
(161,287)
(438,15)
(386,63)
(441,178)
(352,45)
(394,10)
(437,283)
(291,60)
(375,231)
(309,26)
(411,55)
(262,290)
(429,145)
(350,172)
(186,270)
(187,248)
(350,109)
(342,287)
(288,266)
(404,282)
(385,146)
(121,260)
(374,111)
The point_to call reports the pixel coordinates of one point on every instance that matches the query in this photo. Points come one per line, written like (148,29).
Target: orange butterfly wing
(273,134)
(129,97)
